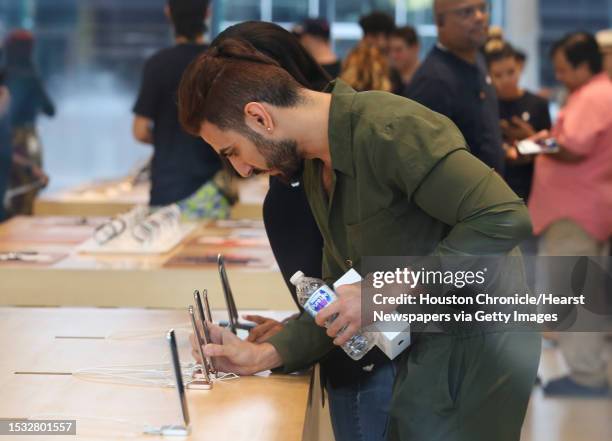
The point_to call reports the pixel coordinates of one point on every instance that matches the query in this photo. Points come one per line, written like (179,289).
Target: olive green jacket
(404,184)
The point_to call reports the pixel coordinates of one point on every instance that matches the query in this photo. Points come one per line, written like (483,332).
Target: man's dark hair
(521,55)
(377,23)
(579,48)
(408,34)
(283,47)
(188,17)
(316,27)
(218,84)
(501,52)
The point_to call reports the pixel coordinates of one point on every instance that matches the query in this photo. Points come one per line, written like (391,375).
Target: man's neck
(310,126)
(584,82)
(514,95)
(179,39)
(408,72)
(468,55)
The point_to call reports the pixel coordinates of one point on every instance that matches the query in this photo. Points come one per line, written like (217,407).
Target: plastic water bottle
(314,295)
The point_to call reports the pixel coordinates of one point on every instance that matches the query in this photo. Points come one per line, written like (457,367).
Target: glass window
(351,10)
(419,11)
(239,10)
(289,10)
(557,17)
(90,54)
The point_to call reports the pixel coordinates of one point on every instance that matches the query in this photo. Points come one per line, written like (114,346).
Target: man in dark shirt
(181,163)
(453,79)
(404,48)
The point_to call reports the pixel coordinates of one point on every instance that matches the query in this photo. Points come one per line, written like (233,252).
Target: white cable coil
(154,374)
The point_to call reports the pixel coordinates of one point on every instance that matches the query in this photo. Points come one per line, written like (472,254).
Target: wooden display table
(102,198)
(265,408)
(109,198)
(72,278)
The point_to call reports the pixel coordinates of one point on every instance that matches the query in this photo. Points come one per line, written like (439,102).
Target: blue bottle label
(319,300)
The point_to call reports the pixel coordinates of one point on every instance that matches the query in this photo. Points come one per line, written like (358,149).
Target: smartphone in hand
(543,146)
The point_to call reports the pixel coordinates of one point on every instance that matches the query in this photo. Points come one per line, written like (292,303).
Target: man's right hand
(231,354)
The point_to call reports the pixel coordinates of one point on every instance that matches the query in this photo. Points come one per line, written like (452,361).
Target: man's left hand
(348,310)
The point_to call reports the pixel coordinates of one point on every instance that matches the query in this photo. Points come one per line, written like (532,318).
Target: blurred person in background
(184,169)
(366,68)
(453,79)
(28,99)
(6,150)
(496,42)
(571,197)
(522,114)
(377,27)
(604,39)
(314,35)
(404,50)
(495,39)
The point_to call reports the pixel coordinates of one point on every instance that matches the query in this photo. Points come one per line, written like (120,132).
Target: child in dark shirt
(522,114)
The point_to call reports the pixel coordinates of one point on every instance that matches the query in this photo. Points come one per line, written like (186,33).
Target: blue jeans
(360,411)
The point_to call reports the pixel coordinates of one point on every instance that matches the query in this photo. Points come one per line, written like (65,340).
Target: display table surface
(265,408)
(69,277)
(111,197)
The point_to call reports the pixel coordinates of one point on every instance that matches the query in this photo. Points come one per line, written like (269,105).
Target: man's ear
(258,118)
(167,12)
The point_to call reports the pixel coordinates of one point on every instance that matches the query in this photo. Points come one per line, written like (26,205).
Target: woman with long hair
(366,68)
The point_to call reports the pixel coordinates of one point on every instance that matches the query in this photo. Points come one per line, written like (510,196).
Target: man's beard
(281,156)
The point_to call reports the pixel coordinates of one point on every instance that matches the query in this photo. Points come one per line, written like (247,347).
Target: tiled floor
(554,419)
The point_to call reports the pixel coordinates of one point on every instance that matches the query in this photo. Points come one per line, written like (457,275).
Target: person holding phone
(522,114)
(571,199)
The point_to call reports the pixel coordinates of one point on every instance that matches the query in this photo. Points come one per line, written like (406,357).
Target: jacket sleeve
(301,343)
(486,217)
